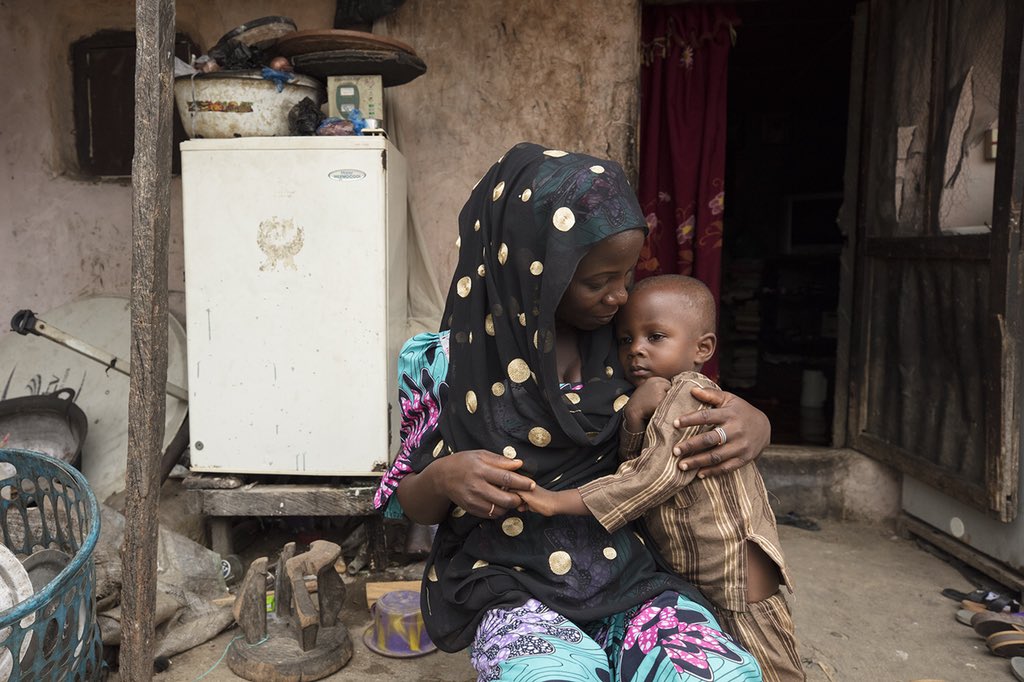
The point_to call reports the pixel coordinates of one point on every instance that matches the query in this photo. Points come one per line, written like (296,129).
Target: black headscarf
(526,226)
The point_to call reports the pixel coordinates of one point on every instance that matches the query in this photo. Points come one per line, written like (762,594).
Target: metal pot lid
(261,33)
(31,365)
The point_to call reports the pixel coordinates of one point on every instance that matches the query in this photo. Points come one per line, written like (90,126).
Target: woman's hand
(747,432)
(481,482)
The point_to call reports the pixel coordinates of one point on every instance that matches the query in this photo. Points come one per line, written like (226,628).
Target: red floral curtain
(682,134)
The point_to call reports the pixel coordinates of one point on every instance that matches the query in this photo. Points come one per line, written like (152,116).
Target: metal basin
(51,424)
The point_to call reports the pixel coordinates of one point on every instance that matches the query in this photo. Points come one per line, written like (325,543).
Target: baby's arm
(652,478)
(641,406)
(553,502)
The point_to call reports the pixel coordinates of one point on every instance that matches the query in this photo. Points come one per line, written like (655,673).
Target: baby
(717,532)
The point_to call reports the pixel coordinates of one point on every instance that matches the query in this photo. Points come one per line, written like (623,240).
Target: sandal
(1017,667)
(1007,644)
(982,600)
(987,623)
(957,595)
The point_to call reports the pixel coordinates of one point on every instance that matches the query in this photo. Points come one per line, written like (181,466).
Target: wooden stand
(281,659)
(219,504)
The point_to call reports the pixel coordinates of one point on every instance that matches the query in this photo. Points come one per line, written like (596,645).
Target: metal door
(935,349)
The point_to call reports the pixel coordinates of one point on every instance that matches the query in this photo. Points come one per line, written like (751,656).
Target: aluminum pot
(51,424)
(240,103)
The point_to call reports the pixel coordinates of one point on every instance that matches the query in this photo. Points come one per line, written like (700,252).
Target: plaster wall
(498,72)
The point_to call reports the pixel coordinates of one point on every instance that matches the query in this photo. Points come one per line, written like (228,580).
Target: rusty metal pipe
(25,322)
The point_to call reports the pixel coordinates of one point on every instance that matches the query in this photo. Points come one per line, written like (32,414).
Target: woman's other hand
(747,432)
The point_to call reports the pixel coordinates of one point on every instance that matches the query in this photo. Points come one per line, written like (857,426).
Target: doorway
(789,76)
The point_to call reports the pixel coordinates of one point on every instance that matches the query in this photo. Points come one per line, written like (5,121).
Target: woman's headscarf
(524,230)
(528,223)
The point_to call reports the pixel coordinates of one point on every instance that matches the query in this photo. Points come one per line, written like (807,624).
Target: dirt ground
(867,608)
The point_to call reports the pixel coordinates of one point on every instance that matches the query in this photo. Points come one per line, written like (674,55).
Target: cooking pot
(51,424)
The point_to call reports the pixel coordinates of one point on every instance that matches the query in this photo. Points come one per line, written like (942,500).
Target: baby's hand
(539,500)
(644,402)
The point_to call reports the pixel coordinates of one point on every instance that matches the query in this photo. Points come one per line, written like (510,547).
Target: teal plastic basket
(53,635)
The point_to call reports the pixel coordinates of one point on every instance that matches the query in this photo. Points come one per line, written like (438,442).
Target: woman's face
(599,286)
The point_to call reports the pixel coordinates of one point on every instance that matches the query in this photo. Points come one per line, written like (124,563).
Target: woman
(522,387)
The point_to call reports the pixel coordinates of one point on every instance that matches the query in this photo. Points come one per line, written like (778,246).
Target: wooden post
(151,215)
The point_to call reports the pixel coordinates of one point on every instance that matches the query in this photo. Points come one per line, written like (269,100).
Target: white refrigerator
(295,292)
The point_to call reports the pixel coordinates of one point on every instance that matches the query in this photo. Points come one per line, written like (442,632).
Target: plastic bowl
(239,103)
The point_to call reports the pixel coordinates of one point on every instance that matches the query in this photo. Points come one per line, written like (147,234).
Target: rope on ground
(224,655)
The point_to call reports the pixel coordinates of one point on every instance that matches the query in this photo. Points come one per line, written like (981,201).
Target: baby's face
(656,336)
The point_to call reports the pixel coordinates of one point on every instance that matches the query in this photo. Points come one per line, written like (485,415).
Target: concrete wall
(498,72)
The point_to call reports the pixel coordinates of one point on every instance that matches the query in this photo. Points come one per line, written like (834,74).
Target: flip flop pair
(982,600)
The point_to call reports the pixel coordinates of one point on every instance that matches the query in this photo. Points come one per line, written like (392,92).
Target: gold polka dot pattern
(512,526)
(539,436)
(560,562)
(563,219)
(471,402)
(464,286)
(518,370)
(498,189)
(498,388)
(620,402)
(536,267)
(509,452)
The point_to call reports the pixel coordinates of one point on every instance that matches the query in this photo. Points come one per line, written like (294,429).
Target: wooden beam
(284,500)
(151,218)
(994,569)
(1006,287)
(375,591)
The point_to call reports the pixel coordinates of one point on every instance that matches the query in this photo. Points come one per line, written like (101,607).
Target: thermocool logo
(346,174)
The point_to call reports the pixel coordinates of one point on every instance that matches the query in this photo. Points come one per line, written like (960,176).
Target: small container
(397,630)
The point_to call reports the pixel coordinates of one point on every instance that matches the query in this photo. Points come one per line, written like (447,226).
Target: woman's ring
(490,514)
(721,435)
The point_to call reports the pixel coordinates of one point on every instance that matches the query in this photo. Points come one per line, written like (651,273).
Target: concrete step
(830,483)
